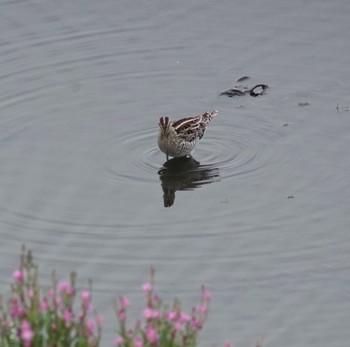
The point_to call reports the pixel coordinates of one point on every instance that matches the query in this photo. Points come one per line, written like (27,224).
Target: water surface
(261,213)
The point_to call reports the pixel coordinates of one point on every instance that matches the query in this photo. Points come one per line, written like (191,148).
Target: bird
(179,138)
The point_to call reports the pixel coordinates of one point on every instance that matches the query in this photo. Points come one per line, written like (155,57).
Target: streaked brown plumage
(178,138)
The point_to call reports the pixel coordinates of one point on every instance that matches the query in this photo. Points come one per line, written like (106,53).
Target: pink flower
(138,342)
(118,341)
(122,315)
(228,343)
(147,287)
(155,314)
(85,296)
(63,287)
(18,275)
(171,315)
(155,298)
(67,317)
(196,324)
(25,325)
(123,302)
(151,335)
(44,305)
(184,318)
(66,288)
(178,326)
(26,333)
(148,313)
(206,295)
(202,308)
(90,326)
(16,310)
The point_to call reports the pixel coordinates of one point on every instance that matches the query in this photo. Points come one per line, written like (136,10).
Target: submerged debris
(242,79)
(237,91)
(303,104)
(258,89)
(343,108)
(240,90)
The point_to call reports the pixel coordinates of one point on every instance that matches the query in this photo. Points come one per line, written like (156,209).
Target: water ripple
(235,150)
(138,158)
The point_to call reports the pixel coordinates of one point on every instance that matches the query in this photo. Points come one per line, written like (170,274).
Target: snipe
(178,139)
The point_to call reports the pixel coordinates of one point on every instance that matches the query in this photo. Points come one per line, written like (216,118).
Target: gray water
(262,218)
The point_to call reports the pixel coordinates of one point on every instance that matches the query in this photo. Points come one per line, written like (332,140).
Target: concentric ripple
(138,157)
(234,149)
(238,150)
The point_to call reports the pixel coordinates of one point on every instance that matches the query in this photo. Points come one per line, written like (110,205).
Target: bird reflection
(184,174)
